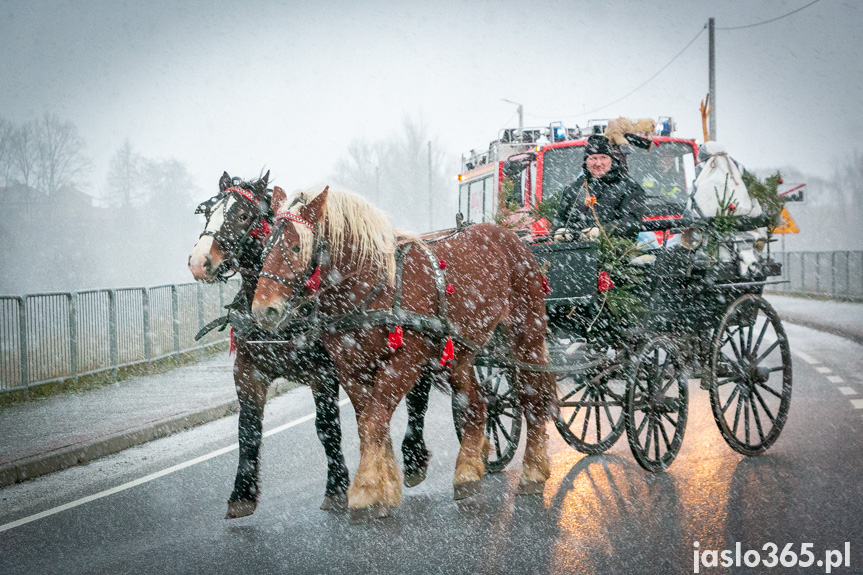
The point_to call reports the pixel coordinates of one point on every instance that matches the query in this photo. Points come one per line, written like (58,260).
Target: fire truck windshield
(665,172)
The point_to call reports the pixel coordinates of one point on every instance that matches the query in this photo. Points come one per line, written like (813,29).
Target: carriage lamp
(692,238)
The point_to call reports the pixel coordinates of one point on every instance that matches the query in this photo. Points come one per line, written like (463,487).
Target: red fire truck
(524,167)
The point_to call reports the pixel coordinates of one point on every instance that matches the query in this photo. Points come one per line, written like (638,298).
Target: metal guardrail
(834,274)
(50,337)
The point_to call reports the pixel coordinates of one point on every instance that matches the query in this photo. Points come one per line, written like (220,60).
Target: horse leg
(537,397)
(252,394)
(469,465)
(377,484)
(326,394)
(414,452)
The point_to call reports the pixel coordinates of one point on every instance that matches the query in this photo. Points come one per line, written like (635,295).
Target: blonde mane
(349,217)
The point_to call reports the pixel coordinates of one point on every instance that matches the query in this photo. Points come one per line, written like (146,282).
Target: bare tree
(60,159)
(360,170)
(394,173)
(7,129)
(23,153)
(123,184)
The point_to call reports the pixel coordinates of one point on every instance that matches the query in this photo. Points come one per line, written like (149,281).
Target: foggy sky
(287,85)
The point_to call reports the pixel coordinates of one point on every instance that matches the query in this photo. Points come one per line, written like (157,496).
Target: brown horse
(238,222)
(341,254)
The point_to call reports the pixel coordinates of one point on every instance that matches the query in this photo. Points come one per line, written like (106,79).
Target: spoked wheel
(657,403)
(503,414)
(749,374)
(591,416)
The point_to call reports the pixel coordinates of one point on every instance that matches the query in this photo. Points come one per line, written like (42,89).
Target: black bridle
(308,281)
(233,246)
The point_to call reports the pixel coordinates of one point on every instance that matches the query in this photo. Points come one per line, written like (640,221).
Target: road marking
(823,369)
(847,391)
(835,379)
(857,403)
(151,477)
(805,357)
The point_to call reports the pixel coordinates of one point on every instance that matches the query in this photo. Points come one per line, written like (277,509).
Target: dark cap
(598,145)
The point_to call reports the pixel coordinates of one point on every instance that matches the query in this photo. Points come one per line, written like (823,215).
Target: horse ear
(279,197)
(224,182)
(314,210)
(266,179)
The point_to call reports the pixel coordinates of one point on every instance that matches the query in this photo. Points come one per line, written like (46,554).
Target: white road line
(857,403)
(823,369)
(805,357)
(847,391)
(150,477)
(835,379)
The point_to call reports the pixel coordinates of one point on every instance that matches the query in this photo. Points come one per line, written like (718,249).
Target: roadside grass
(97,380)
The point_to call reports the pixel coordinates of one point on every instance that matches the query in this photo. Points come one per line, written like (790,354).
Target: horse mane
(350,218)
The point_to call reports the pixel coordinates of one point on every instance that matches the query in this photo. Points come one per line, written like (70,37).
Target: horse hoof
(337,502)
(375,511)
(466,489)
(414,478)
(530,488)
(238,509)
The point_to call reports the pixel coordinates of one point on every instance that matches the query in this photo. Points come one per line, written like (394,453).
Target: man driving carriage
(603,195)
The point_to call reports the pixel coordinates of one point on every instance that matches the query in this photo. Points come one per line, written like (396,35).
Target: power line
(767,21)
(637,88)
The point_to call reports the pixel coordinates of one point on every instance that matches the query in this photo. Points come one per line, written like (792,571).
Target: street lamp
(520,115)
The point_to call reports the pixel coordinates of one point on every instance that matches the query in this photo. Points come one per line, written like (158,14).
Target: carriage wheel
(749,375)
(503,414)
(657,403)
(591,415)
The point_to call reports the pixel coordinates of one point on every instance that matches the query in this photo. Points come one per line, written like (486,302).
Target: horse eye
(296,249)
(244,217)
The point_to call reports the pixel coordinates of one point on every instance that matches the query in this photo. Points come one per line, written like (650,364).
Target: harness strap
(440,284)
(221,323)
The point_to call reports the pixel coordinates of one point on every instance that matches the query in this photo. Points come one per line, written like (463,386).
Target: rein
(259,227)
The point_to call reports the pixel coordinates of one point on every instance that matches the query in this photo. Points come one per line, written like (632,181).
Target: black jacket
(619,204)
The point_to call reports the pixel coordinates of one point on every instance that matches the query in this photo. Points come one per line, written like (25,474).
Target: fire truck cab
(524,168)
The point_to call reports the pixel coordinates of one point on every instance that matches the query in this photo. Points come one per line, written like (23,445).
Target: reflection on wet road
(598,514)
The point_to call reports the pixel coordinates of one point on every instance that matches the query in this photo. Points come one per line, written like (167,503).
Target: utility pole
(712,78)
(431,211)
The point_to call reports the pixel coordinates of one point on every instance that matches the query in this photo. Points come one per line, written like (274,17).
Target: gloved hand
(590,233)
(562,235)
(643,260)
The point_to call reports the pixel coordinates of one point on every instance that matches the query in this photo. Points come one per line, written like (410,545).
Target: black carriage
(701,317)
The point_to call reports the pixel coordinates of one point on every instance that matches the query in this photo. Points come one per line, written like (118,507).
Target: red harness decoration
(604,283)
(448,352)
(545,287)
(262,232)
(394,339)
(296,219)
(233,348)
(314,281)
(245,193)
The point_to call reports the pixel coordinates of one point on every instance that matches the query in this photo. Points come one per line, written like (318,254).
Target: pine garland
(767,194)
(624,300)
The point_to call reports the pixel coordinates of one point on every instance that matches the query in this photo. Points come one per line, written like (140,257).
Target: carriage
(701,314)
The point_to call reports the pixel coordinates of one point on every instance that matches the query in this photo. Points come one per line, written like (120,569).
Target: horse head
(292,251)
(238,213)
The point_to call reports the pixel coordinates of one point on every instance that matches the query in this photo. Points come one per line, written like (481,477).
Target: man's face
(666,162)
(598,164)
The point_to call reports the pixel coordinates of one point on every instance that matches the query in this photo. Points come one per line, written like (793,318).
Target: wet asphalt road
(599,514)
